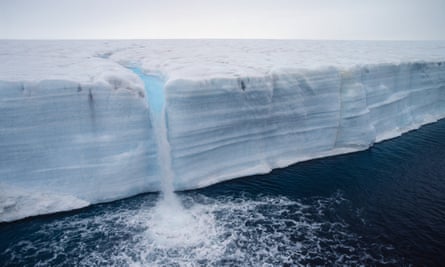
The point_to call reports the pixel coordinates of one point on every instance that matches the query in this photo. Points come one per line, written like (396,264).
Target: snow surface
(76,124)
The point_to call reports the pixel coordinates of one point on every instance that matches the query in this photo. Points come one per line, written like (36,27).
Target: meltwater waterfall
(155,99)
(170,224)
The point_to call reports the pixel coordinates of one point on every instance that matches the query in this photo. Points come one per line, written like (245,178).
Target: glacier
(78,124)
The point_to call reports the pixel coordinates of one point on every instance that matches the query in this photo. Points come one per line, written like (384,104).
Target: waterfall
(171,224)
(156,101)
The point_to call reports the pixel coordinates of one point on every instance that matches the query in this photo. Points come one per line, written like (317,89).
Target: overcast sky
(283,19)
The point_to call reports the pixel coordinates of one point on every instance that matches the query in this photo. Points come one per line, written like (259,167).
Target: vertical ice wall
(92,142)
(224,128)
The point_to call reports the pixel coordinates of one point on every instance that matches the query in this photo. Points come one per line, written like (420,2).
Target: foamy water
(202,231)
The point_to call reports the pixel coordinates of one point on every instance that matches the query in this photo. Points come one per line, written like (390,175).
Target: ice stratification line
(154,89)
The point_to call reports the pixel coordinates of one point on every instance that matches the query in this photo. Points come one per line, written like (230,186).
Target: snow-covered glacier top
(102,61)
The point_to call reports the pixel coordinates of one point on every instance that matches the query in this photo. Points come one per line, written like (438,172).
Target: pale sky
(269,19)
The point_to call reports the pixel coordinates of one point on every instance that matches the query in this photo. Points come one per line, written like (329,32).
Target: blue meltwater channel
(154,94)
(154,89)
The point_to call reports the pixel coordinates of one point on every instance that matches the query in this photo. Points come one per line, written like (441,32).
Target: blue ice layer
(153,88)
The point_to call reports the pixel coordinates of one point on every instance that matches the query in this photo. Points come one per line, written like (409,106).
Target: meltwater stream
(155,99)
(170,224)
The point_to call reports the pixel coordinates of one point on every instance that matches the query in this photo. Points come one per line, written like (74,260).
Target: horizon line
(214,38)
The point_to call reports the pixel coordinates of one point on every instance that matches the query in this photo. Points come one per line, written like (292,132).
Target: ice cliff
(76,123)
(225,128)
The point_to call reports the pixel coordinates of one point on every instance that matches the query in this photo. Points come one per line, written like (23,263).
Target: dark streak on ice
(90,98)
(243,86)
(91,105)
(306,87)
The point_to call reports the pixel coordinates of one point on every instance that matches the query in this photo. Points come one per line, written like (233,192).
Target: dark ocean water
(383,206)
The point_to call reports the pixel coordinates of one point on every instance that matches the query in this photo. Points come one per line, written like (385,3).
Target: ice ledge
(16,203)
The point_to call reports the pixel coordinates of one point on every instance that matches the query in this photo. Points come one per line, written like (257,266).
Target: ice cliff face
(75,126)
(73,143)
(225,128)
